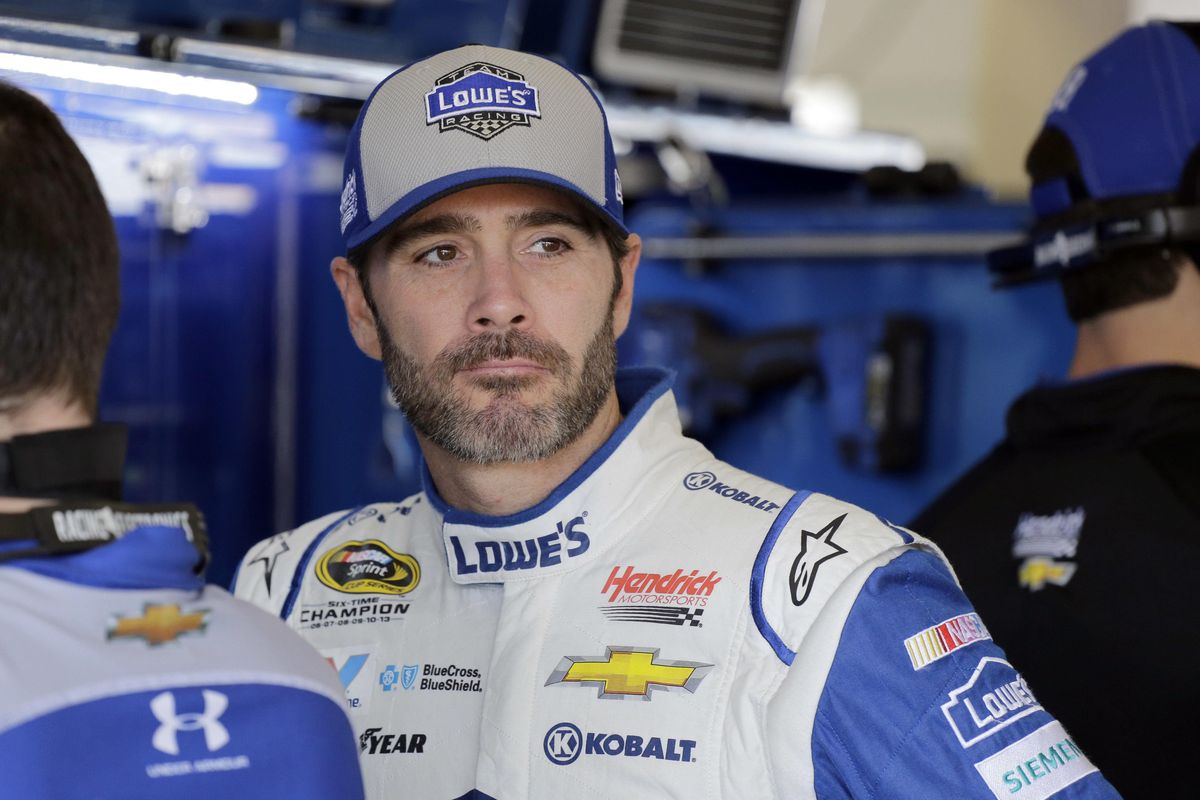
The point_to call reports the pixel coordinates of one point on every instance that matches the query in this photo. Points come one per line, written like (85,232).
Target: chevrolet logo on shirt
(1036,572)
(158,624)
(629,672)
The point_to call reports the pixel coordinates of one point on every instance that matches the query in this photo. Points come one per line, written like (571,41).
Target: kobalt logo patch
(629,673)
(994,697)
(564,743)
(942,639)
(696,481)
(569,540)
(368,567)
(482,99)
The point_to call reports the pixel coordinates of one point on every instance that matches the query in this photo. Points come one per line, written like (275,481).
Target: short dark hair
(1126,278)
(593,223)
(59,263)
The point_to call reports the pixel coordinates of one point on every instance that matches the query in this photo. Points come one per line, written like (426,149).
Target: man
(571,549)
(1077,536)
(121,674)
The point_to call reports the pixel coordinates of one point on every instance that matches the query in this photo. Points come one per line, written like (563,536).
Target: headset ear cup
(1189,181)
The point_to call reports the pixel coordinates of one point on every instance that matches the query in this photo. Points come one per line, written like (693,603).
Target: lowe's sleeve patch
(1034,768)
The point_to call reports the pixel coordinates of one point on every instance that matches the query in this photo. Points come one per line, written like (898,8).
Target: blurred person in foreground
(1079,534)
(582,602)
(122,675)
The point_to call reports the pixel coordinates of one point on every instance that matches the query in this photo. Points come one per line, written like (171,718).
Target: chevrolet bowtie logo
(629,672)
(158,624)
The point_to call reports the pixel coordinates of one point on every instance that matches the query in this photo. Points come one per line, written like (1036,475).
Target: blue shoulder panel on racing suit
(920,702)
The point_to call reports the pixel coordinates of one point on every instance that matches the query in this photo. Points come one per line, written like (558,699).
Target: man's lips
(507,366)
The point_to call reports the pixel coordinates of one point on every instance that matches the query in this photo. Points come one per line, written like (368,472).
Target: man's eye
(549,247)
(442,254)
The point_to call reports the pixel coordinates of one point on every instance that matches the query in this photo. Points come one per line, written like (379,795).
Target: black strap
(1053,250)
(72,463)
(81,525)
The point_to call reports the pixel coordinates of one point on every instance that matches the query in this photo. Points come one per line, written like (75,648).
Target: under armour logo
(166,737)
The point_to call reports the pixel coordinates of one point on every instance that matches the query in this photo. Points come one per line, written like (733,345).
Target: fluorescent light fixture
(151,80)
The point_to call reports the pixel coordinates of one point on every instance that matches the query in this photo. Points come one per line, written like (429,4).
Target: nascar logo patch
(942,639)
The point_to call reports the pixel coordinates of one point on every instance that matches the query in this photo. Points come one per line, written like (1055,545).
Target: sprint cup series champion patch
(482,99)
(369,567)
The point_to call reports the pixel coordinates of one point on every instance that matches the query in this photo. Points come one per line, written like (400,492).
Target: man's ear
(358,312)
(623,303)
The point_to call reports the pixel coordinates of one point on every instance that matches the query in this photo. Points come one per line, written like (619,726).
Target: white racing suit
(662,625)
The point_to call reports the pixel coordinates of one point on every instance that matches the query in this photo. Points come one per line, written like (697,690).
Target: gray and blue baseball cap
(471,116)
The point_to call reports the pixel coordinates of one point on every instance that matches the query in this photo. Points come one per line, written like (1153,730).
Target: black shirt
(1078,540)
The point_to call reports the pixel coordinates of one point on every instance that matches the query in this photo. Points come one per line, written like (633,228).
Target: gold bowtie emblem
(629,672)
(158,624)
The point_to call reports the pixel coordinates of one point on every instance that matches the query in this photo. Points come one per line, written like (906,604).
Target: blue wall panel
(987,345)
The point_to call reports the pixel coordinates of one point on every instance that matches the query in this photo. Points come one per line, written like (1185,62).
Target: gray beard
(506,430)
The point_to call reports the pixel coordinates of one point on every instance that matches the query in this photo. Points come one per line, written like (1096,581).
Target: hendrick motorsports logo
(664,598)
(481,99)
(564,743)
(368,567)
(696,481)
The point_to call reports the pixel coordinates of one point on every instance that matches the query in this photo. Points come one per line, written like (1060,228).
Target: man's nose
(499,302)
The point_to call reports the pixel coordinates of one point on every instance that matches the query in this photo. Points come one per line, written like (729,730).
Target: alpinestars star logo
(271,551)
(815,550)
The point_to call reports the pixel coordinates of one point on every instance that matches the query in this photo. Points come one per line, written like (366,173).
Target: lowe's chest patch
(482,99)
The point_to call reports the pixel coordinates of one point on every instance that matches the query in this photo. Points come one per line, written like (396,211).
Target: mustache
(500,346)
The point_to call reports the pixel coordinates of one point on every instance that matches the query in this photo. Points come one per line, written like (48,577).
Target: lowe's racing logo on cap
(481,99)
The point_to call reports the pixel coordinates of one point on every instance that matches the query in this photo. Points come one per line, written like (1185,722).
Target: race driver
(582,602)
